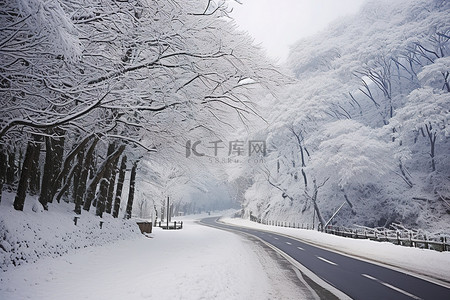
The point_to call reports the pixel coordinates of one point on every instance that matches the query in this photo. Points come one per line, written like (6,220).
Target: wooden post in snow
(168,209)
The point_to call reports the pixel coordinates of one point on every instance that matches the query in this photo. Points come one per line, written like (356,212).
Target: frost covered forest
(94,92)
(365,125)
(100,98)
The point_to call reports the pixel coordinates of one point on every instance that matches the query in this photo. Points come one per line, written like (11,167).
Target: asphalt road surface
(356,278)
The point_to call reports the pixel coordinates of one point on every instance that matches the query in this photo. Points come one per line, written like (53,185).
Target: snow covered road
(194,263)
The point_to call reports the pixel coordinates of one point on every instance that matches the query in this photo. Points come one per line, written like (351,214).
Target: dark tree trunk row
(105,183)
(81,188)
(92,187)
(77,172)
(66,166)
(111,148)
(120,180)
(24,177)
(112,181)
(54,151)
(131,192)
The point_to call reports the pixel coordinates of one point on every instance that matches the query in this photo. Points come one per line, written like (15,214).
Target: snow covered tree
(350,153)
(371,108)
(146,74)
(426,113)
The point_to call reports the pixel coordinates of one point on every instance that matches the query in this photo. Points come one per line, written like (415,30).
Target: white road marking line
(288,243)
(327,261)
(392,287)
(275,238)
(300,248)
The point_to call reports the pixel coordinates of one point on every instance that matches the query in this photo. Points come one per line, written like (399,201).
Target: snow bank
(31,234)
(419,261)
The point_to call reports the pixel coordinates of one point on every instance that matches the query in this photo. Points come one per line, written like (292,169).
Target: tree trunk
(90,193)
(110,150)
(47,174)
(105,183)
(131,192)
(54,149)
(19,166)
(66,166)
(77,174)
(446,83)
(433,144)
(348,202)
(58,157)
(314,201)
(299,138)
(305,180)
(66,185)
(35,172)
(316,208)
(11,168)
(120,180)
(81,188)
(3,165)
(404,175)
(112,184)
(103,190)
(24,177)
(432,138)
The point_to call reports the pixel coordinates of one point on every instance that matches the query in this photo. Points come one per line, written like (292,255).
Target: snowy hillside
(366,123)
(32,234)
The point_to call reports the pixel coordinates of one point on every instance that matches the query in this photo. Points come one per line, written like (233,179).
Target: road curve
(356,278)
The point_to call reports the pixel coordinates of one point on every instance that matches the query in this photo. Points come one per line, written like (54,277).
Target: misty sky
(276,24)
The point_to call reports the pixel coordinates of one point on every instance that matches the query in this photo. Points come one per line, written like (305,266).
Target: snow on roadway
(419,261)
(196,262)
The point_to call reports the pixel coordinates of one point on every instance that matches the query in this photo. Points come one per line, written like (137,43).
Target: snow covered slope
(32,234)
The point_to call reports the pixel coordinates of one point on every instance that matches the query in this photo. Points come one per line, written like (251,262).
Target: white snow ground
(196,262)
(429,263)
(59,260)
